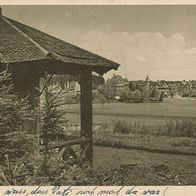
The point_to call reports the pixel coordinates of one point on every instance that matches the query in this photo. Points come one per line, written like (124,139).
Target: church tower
(147,83)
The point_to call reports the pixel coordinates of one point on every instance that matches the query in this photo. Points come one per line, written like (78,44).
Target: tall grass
(122,127)
(174,128)
(184,128)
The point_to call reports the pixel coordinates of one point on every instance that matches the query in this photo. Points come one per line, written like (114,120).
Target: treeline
(131,92)
(141,94)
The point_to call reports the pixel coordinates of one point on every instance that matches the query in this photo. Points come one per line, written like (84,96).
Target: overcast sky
(156,40)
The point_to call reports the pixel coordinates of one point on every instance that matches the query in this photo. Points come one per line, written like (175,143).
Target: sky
(156,40)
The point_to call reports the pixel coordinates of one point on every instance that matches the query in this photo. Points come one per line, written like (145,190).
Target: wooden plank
(61,153)
(72,152)
(66,143)
(86,112)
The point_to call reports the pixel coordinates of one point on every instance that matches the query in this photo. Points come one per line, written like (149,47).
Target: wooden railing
(70,142)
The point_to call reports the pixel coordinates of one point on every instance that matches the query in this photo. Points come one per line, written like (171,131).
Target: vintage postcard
(97,98)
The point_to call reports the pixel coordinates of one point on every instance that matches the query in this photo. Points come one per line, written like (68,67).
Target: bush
(138,96)
(184,128)
(173,128)
(121,126)
(99,98)
(124,94)
(154,93)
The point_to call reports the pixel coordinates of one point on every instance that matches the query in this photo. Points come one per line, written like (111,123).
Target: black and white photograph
(98,95)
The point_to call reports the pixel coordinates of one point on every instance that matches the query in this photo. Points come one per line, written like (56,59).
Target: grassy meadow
(144,137)
(145,113)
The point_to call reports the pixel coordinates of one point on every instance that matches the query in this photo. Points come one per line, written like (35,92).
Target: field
(147,113)
(175,157)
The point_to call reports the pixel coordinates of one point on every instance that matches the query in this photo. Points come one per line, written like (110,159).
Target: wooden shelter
(30,53)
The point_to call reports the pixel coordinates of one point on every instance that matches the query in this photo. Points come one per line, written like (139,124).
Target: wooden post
(86,113)
(41,86)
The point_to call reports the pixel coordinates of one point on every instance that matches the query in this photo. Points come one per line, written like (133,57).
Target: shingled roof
(21,43)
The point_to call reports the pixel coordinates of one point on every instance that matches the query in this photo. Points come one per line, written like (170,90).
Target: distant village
(121,89)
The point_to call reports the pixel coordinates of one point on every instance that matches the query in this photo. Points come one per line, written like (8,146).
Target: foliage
(124,94)
(138,96)
(172,92)
(77,176)
(145,93)
(21,160)
(109,89)
(154,93)
(161,96)
(121,126)
(62,80)
(133,86)
(101,99)
(184,128)
(13,112)
(186,92)
(173,128)
(52,120)
(15,144)
(63,174)
(131,95)
(30,170)
(98,80)
(20,170)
